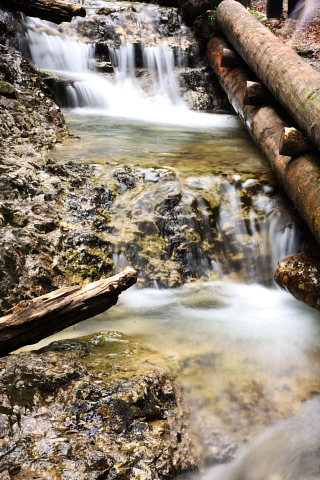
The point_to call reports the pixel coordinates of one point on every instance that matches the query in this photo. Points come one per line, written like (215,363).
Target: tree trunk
(299,176)
(293,82)
(33,320)
(55,11)
(274,8)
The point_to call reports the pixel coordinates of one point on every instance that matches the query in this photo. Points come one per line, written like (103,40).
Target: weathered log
(56,11)
(294,143)
(33,320)
(256,93)
(293,82)
(300,177)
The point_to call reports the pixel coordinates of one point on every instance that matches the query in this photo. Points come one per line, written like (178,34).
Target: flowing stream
(248,354)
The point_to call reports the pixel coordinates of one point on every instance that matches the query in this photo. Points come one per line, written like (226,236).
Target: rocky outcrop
(300,276)
(91,409)
(30,120)
(30,123)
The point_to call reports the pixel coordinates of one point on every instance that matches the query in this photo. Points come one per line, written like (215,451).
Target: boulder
(300,276)
(89,408)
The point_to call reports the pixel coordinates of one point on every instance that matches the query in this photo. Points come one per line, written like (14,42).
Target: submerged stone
(94,407)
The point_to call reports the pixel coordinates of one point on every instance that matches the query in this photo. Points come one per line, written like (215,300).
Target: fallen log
(56,11)
(299,176)
(293,82)
(32,320)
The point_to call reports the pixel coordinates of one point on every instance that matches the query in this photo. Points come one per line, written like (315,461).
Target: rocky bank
(94,408)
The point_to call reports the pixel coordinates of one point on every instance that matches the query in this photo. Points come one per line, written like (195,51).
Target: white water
(261,339)
(89,92)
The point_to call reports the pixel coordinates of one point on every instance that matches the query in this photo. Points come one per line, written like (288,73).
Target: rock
(26,107)
(202,92)
(29,122)
(94,407)
(300,276)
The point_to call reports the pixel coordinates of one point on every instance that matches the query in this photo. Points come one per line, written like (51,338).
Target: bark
(33,320)
(55,11)
(293,82)
(299,176)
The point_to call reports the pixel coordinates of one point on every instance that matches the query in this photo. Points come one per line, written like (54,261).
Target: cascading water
(187,196)
(72,60)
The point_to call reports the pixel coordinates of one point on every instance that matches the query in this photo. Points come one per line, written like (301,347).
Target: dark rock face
(300,276)
(194,8)
(89,408)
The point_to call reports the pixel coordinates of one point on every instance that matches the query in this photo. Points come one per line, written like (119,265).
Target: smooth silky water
(247,356)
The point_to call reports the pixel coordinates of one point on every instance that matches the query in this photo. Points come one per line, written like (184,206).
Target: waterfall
(144,85)
(262,231)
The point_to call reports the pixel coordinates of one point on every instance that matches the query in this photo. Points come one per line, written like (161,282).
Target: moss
(212,19)
(17,107)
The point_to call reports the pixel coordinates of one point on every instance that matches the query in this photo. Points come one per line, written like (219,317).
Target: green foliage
(212,19)
(258,15)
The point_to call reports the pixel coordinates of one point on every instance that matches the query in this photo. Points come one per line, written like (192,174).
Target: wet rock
(300,276)
(205,27)
(201,90)
(11,30)
(92,408)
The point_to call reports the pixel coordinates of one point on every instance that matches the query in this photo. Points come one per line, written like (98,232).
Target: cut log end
(294,143)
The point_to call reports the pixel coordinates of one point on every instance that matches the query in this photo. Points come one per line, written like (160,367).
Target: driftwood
(56,11)
(299,174)
(33,320)
(293,82)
